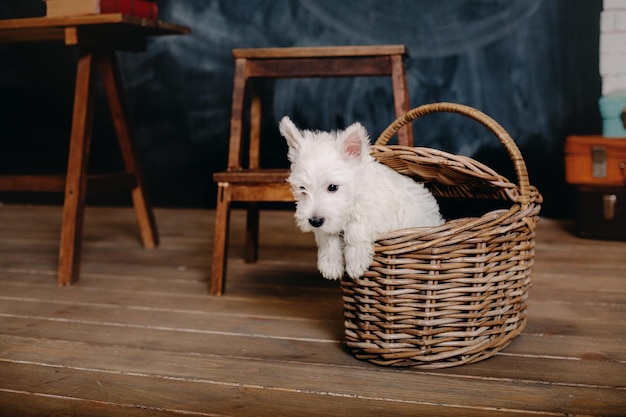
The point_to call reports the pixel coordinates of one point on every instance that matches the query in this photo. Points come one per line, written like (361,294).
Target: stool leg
(111,81)
(76,177)
(220,239)
(401,103)
(236,116)
(251,251)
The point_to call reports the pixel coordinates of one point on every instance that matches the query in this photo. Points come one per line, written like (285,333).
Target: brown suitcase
(595,160)
(601,212)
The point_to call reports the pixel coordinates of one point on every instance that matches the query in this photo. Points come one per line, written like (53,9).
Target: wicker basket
(453,294)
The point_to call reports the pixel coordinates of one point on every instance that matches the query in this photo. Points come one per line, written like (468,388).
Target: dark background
(530,64)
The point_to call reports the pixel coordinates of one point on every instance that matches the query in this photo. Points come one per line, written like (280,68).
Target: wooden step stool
(253,184)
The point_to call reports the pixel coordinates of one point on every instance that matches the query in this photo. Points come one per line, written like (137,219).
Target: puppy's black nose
(316,221)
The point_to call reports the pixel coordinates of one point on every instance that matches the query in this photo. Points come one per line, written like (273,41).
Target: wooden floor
(140,336)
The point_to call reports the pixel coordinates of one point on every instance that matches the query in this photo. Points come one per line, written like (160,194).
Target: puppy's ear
(291,133)
(355,141)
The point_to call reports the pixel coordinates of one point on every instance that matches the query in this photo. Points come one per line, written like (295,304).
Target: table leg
(76,177)
(112,83)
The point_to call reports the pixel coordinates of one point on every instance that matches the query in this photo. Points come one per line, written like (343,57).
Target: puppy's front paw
(329,255)
(358,260)
(331,270)
(356,271)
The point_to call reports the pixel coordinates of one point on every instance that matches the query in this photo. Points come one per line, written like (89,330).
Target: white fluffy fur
(336,182)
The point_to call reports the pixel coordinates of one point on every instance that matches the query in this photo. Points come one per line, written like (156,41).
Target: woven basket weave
(453,294)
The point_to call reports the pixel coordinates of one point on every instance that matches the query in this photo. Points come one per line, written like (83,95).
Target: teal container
(611,108)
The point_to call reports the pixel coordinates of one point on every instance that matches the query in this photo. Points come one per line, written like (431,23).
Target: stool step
(256,176)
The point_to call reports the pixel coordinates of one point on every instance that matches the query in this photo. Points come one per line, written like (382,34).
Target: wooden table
(97,38)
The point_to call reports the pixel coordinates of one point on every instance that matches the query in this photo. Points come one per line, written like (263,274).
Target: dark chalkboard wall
(530,64)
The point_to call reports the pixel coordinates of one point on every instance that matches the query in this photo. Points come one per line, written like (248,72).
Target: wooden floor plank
(180,309)
(139,334)
(314,379)
(207,398)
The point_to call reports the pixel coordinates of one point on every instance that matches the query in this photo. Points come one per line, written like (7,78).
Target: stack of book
(141,8)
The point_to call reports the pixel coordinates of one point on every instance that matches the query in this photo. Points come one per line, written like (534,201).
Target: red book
(141,8)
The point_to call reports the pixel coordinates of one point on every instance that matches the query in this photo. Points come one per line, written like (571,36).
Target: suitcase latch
(609,201)
(598,156)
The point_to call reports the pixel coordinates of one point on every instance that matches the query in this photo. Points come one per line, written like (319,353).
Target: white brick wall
(613,46)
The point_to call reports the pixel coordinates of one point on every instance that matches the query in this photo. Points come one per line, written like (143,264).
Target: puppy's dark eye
(332,188)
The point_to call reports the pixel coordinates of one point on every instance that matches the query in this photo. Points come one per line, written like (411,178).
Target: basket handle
(472,113)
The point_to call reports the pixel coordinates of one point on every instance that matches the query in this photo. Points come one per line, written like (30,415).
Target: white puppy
(346,198)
